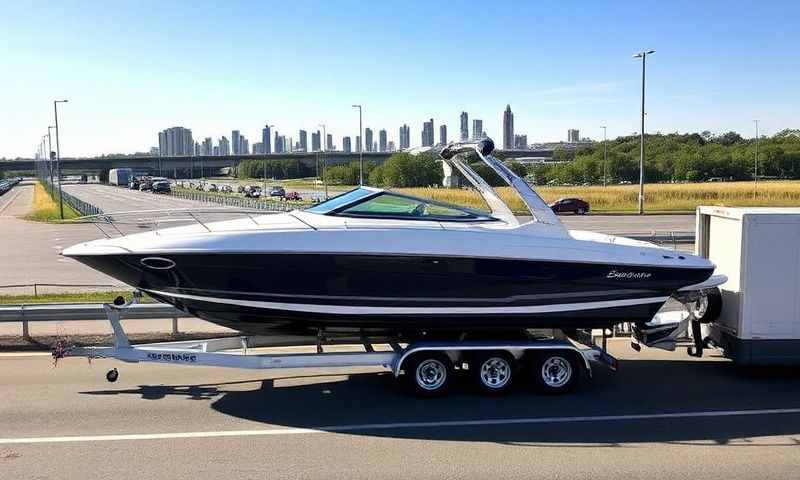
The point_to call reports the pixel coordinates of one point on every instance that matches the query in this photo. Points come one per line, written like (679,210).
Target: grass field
(68,297)
(658,197)
(45,208)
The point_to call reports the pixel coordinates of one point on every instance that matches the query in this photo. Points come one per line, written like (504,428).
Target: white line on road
(392,426)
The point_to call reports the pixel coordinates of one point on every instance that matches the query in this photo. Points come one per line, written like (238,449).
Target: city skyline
(123,85)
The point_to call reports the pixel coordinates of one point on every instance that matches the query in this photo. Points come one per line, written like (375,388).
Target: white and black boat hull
(263,293)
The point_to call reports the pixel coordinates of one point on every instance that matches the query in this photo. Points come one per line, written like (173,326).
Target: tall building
(236,142)
(521,142)
(477,129)
(346,147)
(208,147)
(315,141)
(368,139)
(303,141)
(224,146)
(265,139)
(358,143)
(573,135)
(427,133)
(258,148)
(175,142)
(464,126)
(391,147)
(382,141)
(443,134)
(244,146)
(329,142)
(508,129)
(196,149)
(405,137)
(215,151)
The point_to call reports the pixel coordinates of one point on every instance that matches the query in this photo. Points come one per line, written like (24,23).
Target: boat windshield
(341,200)
(405,207)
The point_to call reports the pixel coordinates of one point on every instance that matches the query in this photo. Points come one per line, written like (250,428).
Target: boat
(375,262)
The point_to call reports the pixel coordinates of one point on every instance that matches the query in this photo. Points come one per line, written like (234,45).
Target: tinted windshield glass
(340,200)
(387,205)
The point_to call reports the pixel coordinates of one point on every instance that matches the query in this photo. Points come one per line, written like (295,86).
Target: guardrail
(84,208)
(37,286)
(238,202)
(65,312)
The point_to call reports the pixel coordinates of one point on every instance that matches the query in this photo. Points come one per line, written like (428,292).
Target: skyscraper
(405,137)
(315,141)
(443,134)
(464,126)
(224,146)
(329,142)
(358,143)
(236,141)
(208,146)
(391,147)
(477,129)
(175,142)
(303,141)
(368,139)
(346,147)
(265,139)
(382,141)
(573,135)
(508,129)
(427,133)
(244,145)
(521,142)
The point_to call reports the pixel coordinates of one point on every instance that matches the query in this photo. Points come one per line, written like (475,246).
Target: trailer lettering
(627,275)
(172,357)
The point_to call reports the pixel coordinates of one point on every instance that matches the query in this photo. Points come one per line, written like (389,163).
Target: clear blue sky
(130,69)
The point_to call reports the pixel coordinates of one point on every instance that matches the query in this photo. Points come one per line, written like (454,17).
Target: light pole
(324,142)
(643,55)
(49,155)
(361,149)
(264,149)
(755,170)
(605,154)
(58,159)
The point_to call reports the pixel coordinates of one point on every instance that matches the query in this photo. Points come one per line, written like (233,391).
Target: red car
(570,205)
(292,196)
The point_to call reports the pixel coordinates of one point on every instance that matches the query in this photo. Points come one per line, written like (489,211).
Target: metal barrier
(238,202)
(36,286)
(84,208)
(65,312)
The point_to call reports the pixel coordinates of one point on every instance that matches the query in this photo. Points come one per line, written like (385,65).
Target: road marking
(392,426)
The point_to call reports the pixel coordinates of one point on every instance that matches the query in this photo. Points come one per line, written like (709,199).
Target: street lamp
(264,150)
(605,154)
(324,141)
(755,170)
(49,153)
(58,159)
(643,55)
(361,149)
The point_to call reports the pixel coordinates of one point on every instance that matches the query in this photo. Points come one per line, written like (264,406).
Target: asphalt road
(123,199)
(696,419)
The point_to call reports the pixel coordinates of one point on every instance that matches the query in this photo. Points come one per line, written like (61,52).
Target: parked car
(226,189)
(570,205)
(212,187)
(240,189)
(145,184)
(134,184)
(277,191)
(293,196)
(161,186)
(252,191)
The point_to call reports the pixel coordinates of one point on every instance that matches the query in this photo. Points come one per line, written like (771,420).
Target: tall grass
(46,209)
(624,198)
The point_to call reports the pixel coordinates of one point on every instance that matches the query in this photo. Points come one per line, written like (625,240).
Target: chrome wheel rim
(495,372)
(431,374)
(556,372)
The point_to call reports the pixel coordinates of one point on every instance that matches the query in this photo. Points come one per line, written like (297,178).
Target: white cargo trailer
(758,249)
(119,176)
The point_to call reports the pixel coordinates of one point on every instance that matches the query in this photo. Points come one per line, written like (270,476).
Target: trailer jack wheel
(112,375)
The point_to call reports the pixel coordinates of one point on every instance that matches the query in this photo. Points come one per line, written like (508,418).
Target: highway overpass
(183,166)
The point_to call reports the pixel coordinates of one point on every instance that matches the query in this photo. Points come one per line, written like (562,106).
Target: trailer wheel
(112,375)
(556,371)
(493,372)
(429,373)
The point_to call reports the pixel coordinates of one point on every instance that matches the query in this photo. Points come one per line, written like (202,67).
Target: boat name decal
(626,275)
(173,357)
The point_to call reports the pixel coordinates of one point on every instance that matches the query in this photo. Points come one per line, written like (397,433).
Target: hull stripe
(366,310)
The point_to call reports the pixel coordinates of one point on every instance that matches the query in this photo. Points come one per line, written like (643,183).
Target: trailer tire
(429,374)
(493,371)
(555,371)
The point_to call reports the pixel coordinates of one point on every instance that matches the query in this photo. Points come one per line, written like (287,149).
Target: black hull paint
(433,284)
